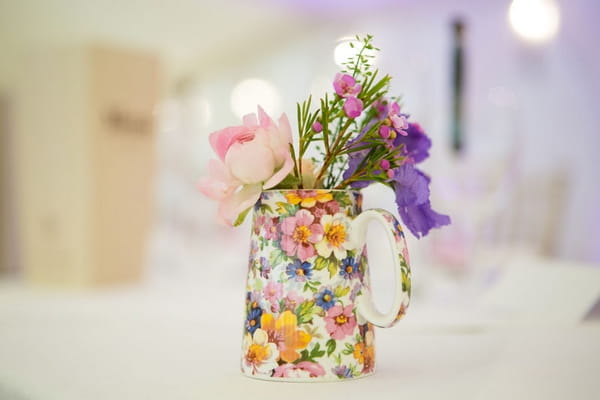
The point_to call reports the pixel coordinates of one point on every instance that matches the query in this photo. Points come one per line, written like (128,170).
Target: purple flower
(353,107)
(345,85)
(412,197)
(354,159)
(416,143)
(420,219)
(411,186)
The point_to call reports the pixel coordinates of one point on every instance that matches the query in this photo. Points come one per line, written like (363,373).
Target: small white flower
(336,236)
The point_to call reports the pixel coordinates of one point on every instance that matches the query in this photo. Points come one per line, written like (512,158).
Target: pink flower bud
(317,127)
(384,131)
(390,173)
(353,107)
(385,164)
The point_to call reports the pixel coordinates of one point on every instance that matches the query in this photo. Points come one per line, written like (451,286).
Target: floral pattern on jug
(306,274)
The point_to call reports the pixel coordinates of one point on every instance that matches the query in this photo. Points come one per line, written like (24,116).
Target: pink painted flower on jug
(273,291)
(304,369)
(252,157)
(300,234)
(272,228)
(340,322)
(292,300)
(345,85)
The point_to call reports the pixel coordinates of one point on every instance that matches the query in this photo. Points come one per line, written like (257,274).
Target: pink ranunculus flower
(300,234)
(345,85)
(340,322)
(252,157)
(353,107)
(304,369)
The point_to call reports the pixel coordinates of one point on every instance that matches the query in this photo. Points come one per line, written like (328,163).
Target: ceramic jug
(309,315)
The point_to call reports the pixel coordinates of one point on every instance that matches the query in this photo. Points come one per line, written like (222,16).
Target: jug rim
(306,190)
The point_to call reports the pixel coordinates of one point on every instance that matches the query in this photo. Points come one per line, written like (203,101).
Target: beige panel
(84,158)
(50,154)
(125,88)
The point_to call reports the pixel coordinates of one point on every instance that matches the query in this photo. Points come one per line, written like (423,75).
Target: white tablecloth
(180,342)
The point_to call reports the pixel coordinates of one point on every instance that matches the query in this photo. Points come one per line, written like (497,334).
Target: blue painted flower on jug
(299,271)
(326,299)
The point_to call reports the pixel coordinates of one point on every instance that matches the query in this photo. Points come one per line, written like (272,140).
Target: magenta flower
(381,108)
(273,292)
(384,131)
(340,322)
(317,127)
(353,107)
(300,235)
(345,85)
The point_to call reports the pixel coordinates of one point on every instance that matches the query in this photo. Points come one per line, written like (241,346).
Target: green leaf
(264,207)
(286,208)
(304,312)
(331,343)
(241,217)
(333,269)
(277,257)
(317,352)
(341,291)
(321,263)
(338,359)
(348,350)
(303,356)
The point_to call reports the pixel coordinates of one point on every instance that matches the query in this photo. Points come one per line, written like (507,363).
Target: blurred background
(105,112)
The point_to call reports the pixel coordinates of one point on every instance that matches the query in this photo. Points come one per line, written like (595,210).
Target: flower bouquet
(360,136)
(309,315)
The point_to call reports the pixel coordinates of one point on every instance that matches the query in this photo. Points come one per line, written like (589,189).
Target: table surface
(182,341)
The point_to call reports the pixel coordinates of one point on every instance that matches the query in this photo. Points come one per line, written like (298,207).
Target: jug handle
(365,305)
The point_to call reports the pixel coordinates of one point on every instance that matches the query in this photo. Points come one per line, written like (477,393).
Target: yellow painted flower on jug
(309,198)
(285,334)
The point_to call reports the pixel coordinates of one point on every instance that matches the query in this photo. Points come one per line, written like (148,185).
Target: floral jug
(309,312)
